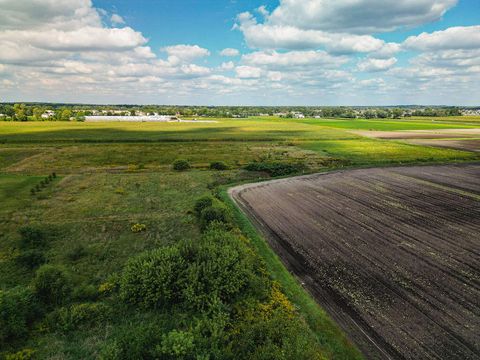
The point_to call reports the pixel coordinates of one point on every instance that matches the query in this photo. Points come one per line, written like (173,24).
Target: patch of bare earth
(393,254)
(468,145)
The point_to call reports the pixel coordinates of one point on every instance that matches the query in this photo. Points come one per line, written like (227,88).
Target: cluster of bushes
(236,310)
(39,187)
(275,169)
(45,300)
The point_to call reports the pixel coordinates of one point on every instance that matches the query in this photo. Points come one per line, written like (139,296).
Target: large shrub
(181,165)
(16,310)
(203,203)
(221,268)
(151,279)
(51,284)
(217,213)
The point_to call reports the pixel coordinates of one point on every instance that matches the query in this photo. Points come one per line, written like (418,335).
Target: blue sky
(281,52)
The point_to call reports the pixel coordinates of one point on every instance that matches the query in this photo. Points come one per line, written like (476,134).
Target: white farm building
(153,118)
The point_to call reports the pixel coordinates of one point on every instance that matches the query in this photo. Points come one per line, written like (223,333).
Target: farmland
(390,253)
(110,177)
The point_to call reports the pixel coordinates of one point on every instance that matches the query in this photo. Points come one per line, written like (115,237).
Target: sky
(237,52)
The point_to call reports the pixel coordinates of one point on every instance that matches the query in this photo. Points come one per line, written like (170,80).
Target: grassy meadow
(111,176)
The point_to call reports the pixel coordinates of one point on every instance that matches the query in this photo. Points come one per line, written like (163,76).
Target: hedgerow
(276,168)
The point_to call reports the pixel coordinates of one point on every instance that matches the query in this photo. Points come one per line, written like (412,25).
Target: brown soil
(392,254)
(469,145)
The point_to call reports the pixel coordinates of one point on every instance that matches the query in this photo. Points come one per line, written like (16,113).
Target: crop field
(115,196)
(391,254)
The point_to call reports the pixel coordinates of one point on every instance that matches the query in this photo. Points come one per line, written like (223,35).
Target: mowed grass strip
(118,132)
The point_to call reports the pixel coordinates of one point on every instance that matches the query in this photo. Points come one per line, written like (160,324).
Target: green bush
(87,314)
(31,237)
(220,269)
(150,280)
(31,259)
(216,213)
(181,165)
(275,168)
(273,330)
(132,342)
(16,311)
(25,354)
(51,284)
(176,345)
(203,203)
(218,165)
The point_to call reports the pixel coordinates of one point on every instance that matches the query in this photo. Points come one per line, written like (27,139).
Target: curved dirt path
(392,254)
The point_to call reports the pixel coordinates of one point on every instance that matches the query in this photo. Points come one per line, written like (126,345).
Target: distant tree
(37,113)
(20,113)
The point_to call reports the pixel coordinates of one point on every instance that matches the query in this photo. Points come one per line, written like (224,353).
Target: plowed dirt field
(393,254)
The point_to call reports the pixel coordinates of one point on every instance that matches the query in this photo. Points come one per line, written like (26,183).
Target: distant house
(298,115)
(48,114)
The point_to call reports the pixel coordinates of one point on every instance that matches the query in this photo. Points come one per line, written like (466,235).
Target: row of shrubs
(43,183)
(274,169)
(237,311)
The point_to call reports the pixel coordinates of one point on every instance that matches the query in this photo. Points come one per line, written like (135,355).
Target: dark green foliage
(79,315)
(203,203)
(133,343)
(216,213)
(31,259)
(220,269)
(176,345)
(275,168)
(151,279)
(193,275)
(31,237)
(16,311)
(85,293)
(218,165)
(76,253)
(51,285)
(181,165)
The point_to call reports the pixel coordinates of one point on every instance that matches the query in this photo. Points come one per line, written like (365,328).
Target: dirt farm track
(392,254)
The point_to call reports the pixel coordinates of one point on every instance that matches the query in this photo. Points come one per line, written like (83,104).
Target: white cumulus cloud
(374,65)
(229,52)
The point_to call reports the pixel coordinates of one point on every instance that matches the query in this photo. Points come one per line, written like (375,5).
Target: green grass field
(113,175)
